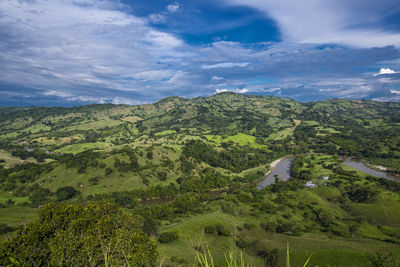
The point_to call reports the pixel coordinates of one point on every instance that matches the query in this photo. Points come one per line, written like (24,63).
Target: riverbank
(215,191)
(279,168)
(272,166)
(362,166)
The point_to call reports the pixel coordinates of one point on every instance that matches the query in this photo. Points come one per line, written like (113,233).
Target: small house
(310,184)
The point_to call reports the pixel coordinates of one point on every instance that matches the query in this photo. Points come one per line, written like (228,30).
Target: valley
(191,174)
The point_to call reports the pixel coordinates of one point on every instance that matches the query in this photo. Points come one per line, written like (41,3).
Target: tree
(73,235)
(65,193)
(39,196)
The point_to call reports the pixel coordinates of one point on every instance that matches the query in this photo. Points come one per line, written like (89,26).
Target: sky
(76,52)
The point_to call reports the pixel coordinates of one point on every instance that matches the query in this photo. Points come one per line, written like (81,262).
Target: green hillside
(190,166)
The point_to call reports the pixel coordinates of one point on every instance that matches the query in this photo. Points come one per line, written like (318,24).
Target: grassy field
(325,250)
(10,161)
(17,215)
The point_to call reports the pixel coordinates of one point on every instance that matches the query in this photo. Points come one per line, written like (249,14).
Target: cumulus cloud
(383,71)
(162,17)
(158,18)
(240,91)
(216,78)
(172,8)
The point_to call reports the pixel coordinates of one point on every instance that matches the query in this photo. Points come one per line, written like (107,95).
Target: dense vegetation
(72,235)
(183,173)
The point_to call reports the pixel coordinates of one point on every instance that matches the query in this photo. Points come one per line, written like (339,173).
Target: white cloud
(56,93)
(395,92)
(271,90)
(80,47)
(329,21)
(385,71)
(177,78)
(216,78)
(58,13)
(162,17)
(163,40)
(125,101)
(217,91)
(99,100)
(225,65)
(172,8)
(240,91)
(158,18)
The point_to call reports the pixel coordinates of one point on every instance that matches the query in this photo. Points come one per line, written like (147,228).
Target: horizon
(190,98)
(80,52)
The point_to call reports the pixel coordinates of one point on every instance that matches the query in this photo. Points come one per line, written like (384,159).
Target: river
(362,167)
(282,169)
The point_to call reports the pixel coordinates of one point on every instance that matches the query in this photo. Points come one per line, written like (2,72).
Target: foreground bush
(72,235)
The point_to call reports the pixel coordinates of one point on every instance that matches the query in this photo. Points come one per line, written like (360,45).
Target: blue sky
(72,52)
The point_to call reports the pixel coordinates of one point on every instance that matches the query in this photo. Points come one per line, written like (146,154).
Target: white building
(310,184)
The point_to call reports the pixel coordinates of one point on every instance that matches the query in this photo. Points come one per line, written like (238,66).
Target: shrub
(168,237)
(222,230)
(270,256)
(243,244)
(248,226)
(162,176)
(211,230)
(269,226)
(94,180)
(178,260)
(65,193)
(4,228)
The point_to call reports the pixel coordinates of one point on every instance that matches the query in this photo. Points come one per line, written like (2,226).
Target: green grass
(191,235)
(116,181)
(325,251)
(77,148)
(17,200)
(11,160)
(384,210)
(243,140)
(17,215)
(166,132)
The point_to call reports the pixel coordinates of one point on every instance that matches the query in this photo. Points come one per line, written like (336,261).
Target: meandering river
(282,169)
(362,167)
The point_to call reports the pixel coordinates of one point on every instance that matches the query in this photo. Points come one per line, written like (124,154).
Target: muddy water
(282,170)
(362,167)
